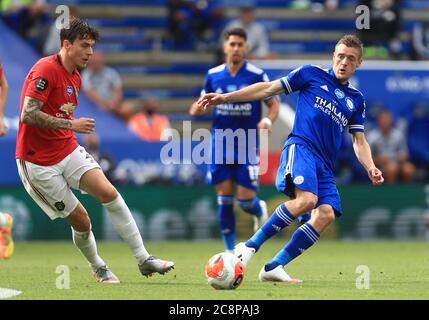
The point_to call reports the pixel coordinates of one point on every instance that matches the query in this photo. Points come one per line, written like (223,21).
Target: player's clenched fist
(83,125)
(375,176)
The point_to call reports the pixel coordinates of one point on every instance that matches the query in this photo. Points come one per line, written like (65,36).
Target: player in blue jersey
(327,104)
(236,162)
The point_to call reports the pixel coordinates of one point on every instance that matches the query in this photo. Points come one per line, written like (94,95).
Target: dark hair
(78,29)
(235,32)
(351,41)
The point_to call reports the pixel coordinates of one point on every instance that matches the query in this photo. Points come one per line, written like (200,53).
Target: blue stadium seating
(141,39)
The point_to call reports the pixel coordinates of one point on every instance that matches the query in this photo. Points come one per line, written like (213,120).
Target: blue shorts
(245,175)
(300,168)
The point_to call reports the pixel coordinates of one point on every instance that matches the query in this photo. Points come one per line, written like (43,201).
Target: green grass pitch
(397,270)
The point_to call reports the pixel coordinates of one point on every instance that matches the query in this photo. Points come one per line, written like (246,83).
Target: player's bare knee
(86,225)
(79,219)
(80,222)
(306,202)
(325,216)
(108,194)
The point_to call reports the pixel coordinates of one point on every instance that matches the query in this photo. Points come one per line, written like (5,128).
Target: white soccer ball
(224,271)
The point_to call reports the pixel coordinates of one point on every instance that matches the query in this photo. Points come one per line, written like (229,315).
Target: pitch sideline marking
(6,293)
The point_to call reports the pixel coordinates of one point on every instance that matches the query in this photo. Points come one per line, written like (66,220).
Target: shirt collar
(332,73)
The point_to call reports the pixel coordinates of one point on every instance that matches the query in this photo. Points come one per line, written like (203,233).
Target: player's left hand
(375,176)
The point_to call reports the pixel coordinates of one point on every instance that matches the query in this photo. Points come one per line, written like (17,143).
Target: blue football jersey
(325,107)
(240,115)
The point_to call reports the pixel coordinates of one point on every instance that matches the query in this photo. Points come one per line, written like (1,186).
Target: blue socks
(302,239)
(251,206)
(227,220)
(281,218)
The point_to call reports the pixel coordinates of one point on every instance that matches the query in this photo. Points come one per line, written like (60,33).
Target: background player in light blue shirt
(235,162)
(327,104)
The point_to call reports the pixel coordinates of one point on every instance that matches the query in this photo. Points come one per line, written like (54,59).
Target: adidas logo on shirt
(325,87)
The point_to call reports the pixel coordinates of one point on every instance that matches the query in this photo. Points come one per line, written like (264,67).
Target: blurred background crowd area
(152,58)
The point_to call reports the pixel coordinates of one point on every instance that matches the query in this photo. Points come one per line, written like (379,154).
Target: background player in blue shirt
(327,104)
(234,161)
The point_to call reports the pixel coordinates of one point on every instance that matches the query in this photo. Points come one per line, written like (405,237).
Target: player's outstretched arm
(256,91)
(33,115)
(363,154)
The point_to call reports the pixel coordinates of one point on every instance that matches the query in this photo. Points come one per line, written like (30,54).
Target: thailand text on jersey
(235,116)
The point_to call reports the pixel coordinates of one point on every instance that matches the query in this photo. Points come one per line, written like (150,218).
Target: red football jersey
(1,71)
(49,81)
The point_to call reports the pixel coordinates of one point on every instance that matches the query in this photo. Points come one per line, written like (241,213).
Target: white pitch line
(6,293)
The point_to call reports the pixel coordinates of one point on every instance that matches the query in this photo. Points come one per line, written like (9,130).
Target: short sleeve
(40,82)
(1,71)
(297,79)
(356,123)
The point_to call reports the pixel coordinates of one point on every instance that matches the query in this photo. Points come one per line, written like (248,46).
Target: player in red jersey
(51,162)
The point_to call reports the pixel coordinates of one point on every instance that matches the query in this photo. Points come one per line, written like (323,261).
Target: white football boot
(278,274)
(105,275)
(259,221)
(244,253)
(154,265)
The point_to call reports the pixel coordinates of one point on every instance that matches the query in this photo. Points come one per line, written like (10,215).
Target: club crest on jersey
(69,90)
(67,107)
(350,103)
(339,94)
(298,180)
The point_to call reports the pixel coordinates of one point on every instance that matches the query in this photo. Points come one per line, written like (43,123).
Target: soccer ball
(224,271)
